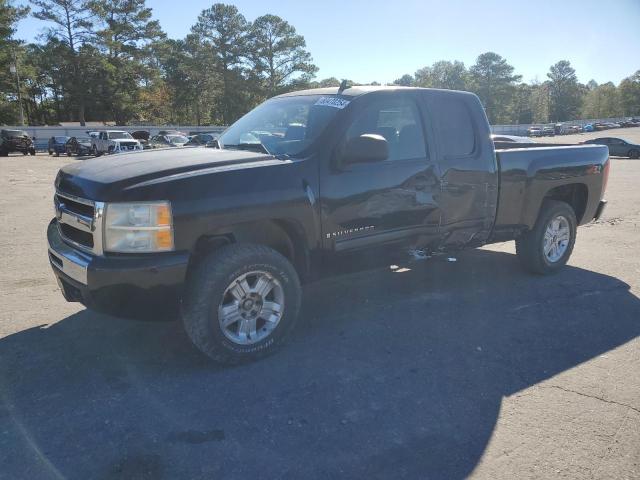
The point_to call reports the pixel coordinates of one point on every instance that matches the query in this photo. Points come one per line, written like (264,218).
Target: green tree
(10,50)
(539,102)
(406,80)
(520,110)
(225,31)
(125,35)
(493,80)
(278,54)
(565,93)
(602,102)
(443,74)
(630,94)
(71,24)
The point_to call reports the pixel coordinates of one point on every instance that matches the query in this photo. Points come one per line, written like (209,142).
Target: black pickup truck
(15,141)
(298,184)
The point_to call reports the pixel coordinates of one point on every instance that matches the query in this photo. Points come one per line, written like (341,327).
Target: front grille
(76,221)
(78,236)
(75,206)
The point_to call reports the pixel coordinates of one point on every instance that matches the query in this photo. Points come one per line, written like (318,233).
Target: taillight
(605,175)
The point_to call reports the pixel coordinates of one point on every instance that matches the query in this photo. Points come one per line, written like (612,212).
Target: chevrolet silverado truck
(228,234)
(114,141)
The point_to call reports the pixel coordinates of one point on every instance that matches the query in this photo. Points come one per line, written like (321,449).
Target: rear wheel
(634,154)
(241,303)
(547,247)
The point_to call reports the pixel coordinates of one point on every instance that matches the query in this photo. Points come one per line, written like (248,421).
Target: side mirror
(366,148)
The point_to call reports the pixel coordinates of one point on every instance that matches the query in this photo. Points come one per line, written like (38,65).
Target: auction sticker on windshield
(334,102)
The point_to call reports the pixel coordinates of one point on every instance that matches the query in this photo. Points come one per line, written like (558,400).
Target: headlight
(138,227)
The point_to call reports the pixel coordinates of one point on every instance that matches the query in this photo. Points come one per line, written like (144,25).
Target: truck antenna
(343,87)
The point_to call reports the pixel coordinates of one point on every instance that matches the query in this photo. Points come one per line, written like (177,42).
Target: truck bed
(531,174)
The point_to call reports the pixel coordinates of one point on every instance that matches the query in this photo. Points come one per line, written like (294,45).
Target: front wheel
(241,303)
(635,154)
(547,247)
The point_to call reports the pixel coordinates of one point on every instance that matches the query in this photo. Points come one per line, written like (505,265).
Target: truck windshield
(119,135)
(283,126)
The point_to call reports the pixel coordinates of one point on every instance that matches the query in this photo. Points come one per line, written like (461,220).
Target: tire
(50,152)
(57,153)
(635,154)
(95,151)
(26,152)
(530,247)
(32,152)
(208,289)
(4,153)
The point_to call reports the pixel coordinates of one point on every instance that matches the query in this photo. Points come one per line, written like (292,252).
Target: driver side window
(397,119)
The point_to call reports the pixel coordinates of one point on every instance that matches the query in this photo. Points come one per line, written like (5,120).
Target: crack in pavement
(591,396)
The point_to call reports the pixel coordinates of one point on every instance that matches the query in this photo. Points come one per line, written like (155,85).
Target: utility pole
(14,69)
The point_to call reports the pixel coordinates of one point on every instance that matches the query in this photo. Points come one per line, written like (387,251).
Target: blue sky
(381,40)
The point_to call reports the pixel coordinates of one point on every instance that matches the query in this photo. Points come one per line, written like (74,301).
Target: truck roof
(357,90)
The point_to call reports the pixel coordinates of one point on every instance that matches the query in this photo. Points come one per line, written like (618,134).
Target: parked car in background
(143,137)
(511,139)
(588,128)
(93,134)
(535,131)
(617,146)
(15,141)
(78,146)
(161,141)
(629,123)
(57,145)
(548,132)
(574,129)
(201,139)
(114,141)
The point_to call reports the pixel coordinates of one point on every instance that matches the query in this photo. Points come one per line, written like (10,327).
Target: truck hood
(101,178)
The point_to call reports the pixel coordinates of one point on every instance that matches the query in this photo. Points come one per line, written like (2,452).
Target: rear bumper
(601,206)
(120,284)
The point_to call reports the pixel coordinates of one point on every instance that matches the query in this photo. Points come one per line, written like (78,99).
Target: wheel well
(575,194)
(284,236)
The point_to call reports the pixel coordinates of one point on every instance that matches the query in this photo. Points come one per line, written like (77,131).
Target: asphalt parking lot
(437,370)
